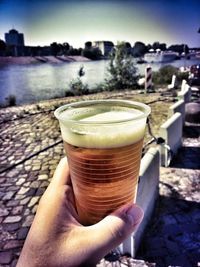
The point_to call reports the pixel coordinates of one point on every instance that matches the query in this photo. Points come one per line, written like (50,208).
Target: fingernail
(135,214)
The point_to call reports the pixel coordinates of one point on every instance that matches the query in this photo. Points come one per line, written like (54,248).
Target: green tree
(156,45)
(55,48)
(65,48)
(163,46)
(139,49)
(179,48)
(88,45)
(122,71)
(93,53)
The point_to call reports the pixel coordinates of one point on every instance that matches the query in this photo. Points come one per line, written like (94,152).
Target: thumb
(116,227)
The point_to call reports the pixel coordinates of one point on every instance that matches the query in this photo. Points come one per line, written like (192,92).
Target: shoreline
(41,59)
(15,112)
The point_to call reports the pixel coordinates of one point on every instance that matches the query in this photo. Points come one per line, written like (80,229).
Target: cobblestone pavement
(173,235)
(30,149)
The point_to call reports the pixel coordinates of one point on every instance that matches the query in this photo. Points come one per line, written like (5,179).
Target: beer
(103,143)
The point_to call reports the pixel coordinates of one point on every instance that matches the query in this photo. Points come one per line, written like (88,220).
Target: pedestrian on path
(56,238)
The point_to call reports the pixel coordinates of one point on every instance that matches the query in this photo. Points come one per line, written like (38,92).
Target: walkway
(30,149)
(173,235)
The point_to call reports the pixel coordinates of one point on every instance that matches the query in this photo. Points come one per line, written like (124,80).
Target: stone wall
(161,155)
(178,106)
(171,132)
(146,197)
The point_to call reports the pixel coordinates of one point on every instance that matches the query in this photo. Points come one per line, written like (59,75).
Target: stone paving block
(13,188)
(36,167)
(17,210)
(44,167)
(12,219)
(12,203)
(8,195)
(23,190)
(33,201)
(43,177)
(27,212)
(14,263)
(28,167)
(35,184)
(27,184)
(31,192)
(3,212)
(11,244)
(19,197)
(23,233)
(5,257)
(1,194)
(12,173)
(25,200)
(44,184)
(28,221)
(40,191)
(34,209)
(12,226)
(20,181)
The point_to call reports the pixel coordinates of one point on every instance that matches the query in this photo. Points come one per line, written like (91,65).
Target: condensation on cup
(103,142)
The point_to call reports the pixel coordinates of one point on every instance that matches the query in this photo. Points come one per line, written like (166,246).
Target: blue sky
(75,22)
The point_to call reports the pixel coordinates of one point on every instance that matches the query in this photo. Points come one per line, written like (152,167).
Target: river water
(32,83)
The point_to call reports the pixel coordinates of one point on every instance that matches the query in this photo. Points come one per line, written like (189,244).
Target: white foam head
(103,124)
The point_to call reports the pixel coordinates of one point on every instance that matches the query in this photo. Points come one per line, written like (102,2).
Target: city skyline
(76,22)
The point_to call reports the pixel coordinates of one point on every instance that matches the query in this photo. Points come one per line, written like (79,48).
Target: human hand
(56,238)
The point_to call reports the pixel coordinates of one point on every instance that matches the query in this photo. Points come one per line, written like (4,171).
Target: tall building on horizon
(13,37)
(105,46)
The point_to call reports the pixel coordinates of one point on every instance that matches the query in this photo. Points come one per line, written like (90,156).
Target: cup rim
(145,108)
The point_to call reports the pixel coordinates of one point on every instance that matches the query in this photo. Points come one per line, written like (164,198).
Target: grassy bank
(159,107)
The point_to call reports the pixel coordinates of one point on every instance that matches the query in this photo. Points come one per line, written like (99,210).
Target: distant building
(105,47)
(15,42)
(13,37)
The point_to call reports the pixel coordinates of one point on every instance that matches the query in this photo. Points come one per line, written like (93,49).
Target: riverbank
(41,59)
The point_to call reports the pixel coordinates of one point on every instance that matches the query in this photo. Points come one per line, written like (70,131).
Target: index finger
(61,175)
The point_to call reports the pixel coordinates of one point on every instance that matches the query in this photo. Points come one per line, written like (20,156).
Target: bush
(69,93)
(164,75)
(77,87)
(182,76)
(11,100)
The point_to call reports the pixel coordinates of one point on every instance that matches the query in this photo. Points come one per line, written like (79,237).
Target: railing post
(148,79)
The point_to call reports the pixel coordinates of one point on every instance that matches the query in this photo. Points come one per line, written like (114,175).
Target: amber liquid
(103,179)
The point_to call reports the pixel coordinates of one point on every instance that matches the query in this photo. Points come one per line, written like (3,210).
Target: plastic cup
(103,142)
